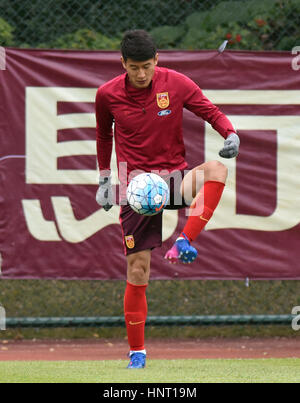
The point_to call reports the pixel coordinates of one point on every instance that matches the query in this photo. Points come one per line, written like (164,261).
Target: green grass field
(270,370)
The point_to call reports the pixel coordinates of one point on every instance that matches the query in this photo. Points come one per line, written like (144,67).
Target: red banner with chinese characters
(50,224)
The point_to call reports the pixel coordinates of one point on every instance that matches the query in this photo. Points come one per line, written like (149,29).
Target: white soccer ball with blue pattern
(147,194)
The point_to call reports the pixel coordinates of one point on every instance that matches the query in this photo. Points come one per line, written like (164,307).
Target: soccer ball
(147,194)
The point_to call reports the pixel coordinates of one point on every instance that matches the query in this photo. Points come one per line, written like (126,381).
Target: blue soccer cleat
(181,250)
(137,361)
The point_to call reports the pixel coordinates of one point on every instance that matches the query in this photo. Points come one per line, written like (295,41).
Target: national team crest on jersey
(129,239)
(163,100)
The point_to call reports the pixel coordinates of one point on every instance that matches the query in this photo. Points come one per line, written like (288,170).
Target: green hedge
(254,25)
(51,298)
(6,33)
(176,24)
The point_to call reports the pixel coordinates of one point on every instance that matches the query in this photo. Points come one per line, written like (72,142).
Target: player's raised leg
(135,306)
(203,199)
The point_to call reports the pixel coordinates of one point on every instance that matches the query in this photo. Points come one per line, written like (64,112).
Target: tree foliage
(175,24)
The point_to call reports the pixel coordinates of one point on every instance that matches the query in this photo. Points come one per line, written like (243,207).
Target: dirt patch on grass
(156,349)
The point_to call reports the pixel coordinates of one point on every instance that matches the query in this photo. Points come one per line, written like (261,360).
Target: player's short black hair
(138,45)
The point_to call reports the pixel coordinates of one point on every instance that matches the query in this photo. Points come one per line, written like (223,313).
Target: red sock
(202,208)
(135,311)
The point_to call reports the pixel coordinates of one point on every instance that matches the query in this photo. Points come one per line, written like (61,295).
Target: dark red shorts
(145,232)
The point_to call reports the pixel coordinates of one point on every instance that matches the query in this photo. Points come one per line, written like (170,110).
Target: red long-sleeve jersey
(148,132)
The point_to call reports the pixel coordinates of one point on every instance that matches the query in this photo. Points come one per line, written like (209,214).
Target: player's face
(140,74)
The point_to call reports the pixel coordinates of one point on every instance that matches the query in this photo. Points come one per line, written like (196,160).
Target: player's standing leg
(135,305)
(205,200)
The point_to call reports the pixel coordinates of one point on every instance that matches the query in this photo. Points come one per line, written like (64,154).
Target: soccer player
(146,104)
